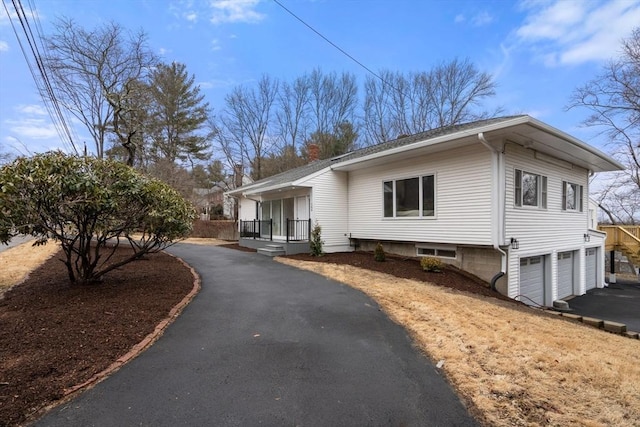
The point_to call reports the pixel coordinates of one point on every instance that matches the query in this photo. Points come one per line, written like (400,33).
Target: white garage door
(565,274)
(532,280)
(591,269)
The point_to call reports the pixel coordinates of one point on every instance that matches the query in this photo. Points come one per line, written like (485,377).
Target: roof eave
(614,165)
(432,141)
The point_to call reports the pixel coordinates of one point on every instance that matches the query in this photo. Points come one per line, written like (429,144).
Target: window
(411,197)
(571,197)
(439,252)
(530,189)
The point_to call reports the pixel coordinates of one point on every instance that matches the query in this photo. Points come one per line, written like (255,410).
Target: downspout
(497,220)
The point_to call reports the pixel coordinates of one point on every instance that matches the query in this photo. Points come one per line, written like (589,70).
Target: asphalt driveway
(264,343)
(619,302)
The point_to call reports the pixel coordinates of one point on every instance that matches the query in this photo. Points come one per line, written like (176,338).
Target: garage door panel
(591,268)
(565,274)
(532,280)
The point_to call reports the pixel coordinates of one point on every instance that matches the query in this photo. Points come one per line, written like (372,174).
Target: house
(505,199)
(209,201)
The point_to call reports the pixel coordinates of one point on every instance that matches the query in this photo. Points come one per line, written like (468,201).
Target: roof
(521,129)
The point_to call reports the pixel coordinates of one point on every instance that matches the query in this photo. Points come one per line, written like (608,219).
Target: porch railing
(256,229)
(297,230)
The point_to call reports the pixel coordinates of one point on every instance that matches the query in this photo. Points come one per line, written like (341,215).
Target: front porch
(261,235)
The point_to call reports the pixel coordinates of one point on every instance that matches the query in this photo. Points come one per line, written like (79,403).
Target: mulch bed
(55,335)
(409,268)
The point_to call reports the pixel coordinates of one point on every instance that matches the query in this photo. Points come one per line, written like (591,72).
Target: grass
(512,365)
(18,261)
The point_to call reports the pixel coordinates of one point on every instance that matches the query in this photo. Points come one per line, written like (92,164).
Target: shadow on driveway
(619,302)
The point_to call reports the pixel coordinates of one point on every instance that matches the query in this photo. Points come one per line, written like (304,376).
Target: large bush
(90,206)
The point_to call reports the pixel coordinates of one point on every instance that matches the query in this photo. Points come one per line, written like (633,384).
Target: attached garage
(565,274)
(591,268)
(532,284)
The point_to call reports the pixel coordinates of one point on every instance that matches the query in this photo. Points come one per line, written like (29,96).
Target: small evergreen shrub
(315,244)
(378,254)
(431,264)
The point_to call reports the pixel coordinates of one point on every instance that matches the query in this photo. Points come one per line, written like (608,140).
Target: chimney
(313,152)
(237,175)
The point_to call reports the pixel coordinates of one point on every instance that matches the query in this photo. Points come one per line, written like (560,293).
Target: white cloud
(216,84)
(482,19)
(215,45)
(191,16)
(459,18)
(32,128)
(574,32)
(232,11)
(4,46)
(163,51)
(34,109)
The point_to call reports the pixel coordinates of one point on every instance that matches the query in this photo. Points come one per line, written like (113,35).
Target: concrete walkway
(267,344)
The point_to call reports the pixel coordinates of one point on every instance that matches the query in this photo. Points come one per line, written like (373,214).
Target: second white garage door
(591,269)
(565,274)
(532,280)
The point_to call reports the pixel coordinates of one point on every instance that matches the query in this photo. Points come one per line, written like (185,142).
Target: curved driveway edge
(265,343)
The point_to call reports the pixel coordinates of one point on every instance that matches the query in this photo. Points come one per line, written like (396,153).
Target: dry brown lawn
(512,365)
(18,261)
(209,241)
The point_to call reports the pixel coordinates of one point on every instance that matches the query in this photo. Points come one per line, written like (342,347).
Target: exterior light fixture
(587,237)
(514,243)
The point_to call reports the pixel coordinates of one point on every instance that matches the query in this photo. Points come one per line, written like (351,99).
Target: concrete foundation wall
(480,261)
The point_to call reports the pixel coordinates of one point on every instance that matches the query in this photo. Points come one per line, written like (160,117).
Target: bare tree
(293,113)
(613,98)
(93,73)
(449,94)
(333,100)
(245,122)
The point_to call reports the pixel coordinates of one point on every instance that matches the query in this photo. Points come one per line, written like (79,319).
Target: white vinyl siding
(542,231)
(462,194)
(329,207)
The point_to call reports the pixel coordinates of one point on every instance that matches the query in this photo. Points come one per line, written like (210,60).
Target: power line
(43,84)
(331,43)
(345,53)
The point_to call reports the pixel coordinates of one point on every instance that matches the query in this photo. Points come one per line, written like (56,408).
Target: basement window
(435,251)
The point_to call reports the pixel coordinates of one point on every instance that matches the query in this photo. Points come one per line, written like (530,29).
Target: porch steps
(272,250)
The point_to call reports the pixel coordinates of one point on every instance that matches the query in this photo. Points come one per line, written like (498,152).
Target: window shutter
(564,195)
(518,188)
(543,192)
(580,195)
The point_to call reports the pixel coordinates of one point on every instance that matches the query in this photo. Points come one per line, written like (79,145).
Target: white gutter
(497,211)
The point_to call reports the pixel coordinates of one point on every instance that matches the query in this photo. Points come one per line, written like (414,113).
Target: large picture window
(571,197)
(530,189)
(411,197)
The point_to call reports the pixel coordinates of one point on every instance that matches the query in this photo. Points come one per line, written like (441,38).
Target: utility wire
(335,45)
(40,34)
(47,94)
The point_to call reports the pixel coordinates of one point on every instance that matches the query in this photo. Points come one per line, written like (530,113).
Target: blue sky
(538,51)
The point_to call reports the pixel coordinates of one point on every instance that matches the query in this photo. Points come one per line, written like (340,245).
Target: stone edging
(137,349)
(605,325)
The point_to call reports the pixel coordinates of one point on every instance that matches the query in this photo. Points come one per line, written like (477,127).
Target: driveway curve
(265,343)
